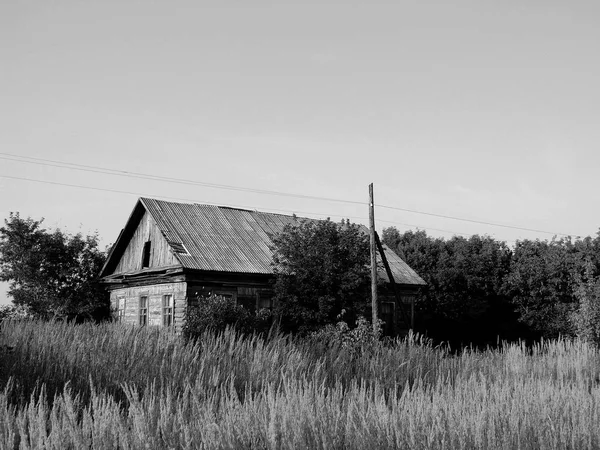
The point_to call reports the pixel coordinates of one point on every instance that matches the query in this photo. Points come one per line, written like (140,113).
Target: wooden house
(169,253)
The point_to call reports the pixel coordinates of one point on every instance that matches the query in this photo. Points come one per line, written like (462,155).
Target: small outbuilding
(170,253)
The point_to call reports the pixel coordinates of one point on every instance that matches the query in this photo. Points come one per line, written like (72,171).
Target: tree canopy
(52,273)
(321,268)
(479,288)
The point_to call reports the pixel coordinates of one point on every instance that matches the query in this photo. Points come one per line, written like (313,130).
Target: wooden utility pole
(374,303)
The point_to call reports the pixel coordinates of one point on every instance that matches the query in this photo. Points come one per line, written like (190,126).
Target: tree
(541,284)
(463,300)
(321,268)
(586,317)
(52,273)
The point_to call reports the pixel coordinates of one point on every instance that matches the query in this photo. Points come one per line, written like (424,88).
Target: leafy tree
(541,284)
(321,268)
(52,273)
(586,317)
(463,300)
(461,273)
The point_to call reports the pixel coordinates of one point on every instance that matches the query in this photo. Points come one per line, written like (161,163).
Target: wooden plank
(160,251)
(155,295)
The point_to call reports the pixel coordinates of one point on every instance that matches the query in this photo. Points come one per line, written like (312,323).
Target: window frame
(147,249)
(168,310)
(228,294)
(266,297)
(388,328)
(143,310)
(121,302)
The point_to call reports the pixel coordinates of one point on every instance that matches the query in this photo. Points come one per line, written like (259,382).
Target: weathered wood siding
(155,294)
(160,252)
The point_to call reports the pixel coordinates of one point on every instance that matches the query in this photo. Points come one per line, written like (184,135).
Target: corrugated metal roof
(225,239)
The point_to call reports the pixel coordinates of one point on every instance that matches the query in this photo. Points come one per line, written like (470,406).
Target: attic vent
(178,247)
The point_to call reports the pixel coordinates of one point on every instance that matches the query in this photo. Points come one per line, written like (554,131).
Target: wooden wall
(155,294)
(160,252)
(398,325)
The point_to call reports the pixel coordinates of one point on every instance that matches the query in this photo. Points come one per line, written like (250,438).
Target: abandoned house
(169,253)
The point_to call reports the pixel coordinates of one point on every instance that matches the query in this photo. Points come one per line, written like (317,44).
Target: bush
(586,319)
(357,340)
(14,312)
(216,312)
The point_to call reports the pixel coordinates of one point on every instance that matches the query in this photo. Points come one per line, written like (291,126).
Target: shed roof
(223,239)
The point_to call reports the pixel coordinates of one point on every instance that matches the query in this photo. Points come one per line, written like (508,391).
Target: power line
(138,194)
(165,197)
(424,228)
(124,173)
(472,220)
(103,170)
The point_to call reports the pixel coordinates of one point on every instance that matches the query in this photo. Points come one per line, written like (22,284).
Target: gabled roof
(223,239)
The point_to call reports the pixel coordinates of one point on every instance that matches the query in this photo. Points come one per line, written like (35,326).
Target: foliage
(52,273)
(214,312)
(586,318)
(478,287)
(541,284)
(320,269)
(462,274)
(13,312)
(357,340)
(115,386)
(463,299)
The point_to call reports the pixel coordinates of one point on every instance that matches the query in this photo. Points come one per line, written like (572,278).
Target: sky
(480,110)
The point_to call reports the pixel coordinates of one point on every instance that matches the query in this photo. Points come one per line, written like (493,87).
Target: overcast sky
(482,110)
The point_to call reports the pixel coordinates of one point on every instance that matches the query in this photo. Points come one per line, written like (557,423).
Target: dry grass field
(111,386)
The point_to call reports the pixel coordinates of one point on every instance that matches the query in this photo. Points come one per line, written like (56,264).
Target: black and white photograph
(277,224)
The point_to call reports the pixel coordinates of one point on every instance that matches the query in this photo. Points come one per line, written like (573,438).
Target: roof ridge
(233,208)
(219,241)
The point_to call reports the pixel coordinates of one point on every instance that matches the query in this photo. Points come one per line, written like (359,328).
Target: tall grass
(112,386)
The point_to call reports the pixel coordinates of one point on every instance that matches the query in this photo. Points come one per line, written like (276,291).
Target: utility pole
(374,303)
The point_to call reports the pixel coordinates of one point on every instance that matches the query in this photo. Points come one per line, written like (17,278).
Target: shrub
(586,318)
(215,312)
(14,312)
(357,340)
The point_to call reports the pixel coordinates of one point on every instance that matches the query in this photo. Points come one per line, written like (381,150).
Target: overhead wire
(246,207)
(103,170)
(124,173)
(443,216)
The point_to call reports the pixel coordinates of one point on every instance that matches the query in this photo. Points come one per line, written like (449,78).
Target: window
(168,308)
(228,295)
(248,302)
(264,301)
(120,309)
(146,255)
(387,314)
(143,315)
(178,247)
